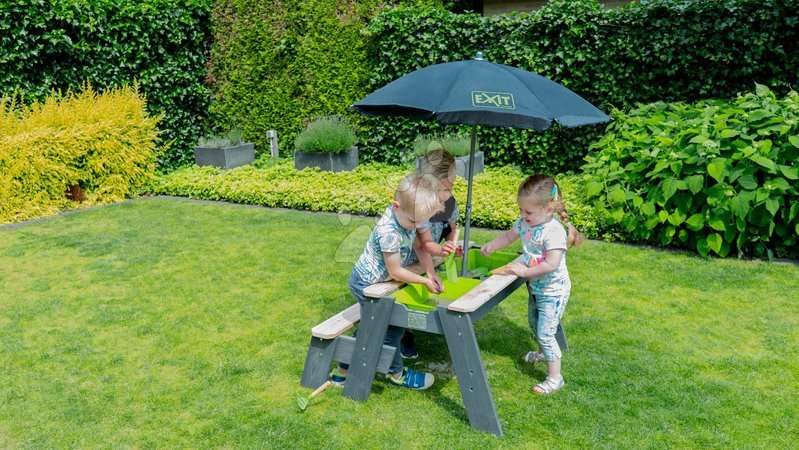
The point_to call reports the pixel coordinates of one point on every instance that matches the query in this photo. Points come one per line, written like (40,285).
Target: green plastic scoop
(451,268)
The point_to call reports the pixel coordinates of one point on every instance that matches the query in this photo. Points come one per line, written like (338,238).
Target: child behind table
(444,224)
(544,241)
(386,255)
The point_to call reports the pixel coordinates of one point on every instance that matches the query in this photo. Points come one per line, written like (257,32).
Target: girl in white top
(544,240)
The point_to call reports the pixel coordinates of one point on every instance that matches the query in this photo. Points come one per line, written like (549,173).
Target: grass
(169,323)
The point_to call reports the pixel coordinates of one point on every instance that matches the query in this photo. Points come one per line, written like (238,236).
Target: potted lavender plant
(327,143)
(225,151)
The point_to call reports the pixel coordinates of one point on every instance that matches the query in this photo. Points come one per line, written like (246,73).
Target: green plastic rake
(302,401)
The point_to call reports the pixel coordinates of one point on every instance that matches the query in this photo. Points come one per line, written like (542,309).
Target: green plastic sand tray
(416,296)
(476,260)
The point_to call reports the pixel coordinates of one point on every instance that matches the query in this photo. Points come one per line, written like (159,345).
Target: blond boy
(387,253)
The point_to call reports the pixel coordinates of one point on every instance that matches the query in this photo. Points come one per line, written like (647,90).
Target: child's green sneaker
(413,379)
(338,378)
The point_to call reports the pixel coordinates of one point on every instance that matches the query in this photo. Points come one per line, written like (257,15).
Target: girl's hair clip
(555,191)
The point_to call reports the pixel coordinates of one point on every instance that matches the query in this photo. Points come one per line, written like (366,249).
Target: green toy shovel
(451,268)
(449,264)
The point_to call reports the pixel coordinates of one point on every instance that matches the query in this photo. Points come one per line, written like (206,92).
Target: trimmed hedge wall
(95,148)
(61,44)
(654,50)
(366,190)
(275,65)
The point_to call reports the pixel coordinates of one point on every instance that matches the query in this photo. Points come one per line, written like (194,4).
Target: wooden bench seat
(338,324)
(328,345)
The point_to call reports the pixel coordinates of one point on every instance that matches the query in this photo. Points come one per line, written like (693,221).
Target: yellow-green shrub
(102,142)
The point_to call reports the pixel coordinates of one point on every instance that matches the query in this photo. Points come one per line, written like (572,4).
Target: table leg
(472,380)
(317,362)
(560,336)
(375,316)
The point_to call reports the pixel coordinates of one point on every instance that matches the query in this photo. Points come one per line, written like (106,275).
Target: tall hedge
(653,50)
(275,65)
(60,44)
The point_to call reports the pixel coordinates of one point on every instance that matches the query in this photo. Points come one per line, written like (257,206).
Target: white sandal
(548,386)
(533,357)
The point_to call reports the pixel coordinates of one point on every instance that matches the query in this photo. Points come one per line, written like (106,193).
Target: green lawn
(169,323)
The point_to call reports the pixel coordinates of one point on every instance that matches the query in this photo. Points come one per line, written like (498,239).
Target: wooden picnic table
(455,321)
(366,354)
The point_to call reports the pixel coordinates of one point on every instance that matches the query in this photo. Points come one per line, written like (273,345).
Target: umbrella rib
(555,118)
(505,68)
(443,97)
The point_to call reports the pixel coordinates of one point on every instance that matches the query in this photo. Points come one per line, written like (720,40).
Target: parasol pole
(467,222)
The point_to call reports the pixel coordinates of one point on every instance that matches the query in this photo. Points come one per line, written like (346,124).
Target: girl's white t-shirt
(535,242)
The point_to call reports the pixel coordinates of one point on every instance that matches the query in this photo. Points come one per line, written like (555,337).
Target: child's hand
(487,249)
(518,269)
(437,280)
(449,247)
(433,286)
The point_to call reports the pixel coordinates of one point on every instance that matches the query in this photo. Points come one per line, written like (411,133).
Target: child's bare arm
(426,260)
(453,234)
(501,241)
(434,248)
(424,236)
(550,262)
(399,273)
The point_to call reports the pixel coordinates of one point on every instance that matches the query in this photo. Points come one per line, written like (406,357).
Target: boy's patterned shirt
(537,240)
(387,236)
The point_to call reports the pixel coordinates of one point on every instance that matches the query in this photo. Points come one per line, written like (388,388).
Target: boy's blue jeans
(393,334)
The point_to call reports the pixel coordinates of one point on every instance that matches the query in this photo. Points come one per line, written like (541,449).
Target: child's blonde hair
(542,190)
(418,195)
(440,164)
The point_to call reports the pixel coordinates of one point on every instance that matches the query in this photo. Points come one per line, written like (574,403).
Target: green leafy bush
(274,64)
(365,190)
(327,135)
(713,176)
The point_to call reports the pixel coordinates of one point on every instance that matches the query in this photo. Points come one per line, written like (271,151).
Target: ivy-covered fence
(275,65)
(658,50)
(50,45)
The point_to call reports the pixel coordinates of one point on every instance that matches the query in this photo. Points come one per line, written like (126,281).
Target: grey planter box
(225,157)
(331,162)
(462,164)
